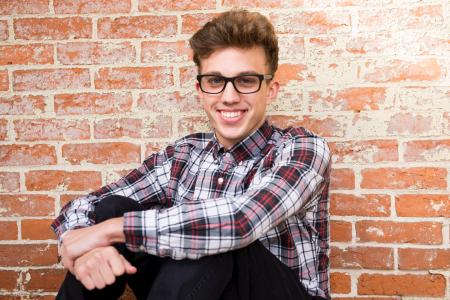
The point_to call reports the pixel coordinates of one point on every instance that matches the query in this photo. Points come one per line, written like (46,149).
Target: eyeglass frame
(261,77)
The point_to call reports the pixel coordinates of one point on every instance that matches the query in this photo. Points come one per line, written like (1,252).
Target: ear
(199,91)
(272,91)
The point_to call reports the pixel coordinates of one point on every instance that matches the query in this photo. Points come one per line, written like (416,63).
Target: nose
(229,94)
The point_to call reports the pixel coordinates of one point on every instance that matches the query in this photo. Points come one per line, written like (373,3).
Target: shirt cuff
(140,230)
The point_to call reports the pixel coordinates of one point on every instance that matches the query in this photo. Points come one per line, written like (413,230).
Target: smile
(231,116)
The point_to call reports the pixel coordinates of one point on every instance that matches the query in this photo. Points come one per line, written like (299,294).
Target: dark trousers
(248,273)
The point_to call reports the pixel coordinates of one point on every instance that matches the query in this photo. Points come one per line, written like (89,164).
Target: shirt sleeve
(145,184)
(288,179)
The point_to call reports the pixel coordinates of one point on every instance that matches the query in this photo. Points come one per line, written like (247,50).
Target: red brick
(4,34)
(53,28)
(3,130)
(447,123)
(362,258)
(37,229)
(157,127)
(37,297)
(360,205)
(91,6)
(165,52)
(428,150)
(118,128)
(66,198)
(423,259)
(328,126)
(18,255)
(340,283)
(90,53)
(396,70)
(101,153)
(288,101)
(425,205)
(8,230)
(48,280)
(24,155)
(190,125)
(21,205)
(51,129)
(20,7)
(134,78)
(342,179)
(410,123)
(9,280)
(22,105)
(153,147)
(423,98)
(4,81)
(291,47)
(291,72)
(51,79)
(49,180)
(399,232)
(355,99)
(340,231)
(169,102)
(92,103)
(190,23)
(137,27)
(404,178)
(431,285)
(188,76)
(183,5)
(26,54)
(385,123)
(311,22)
(395,19)
(370,151)
(9,182)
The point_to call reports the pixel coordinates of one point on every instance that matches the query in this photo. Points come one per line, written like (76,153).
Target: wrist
(114,230)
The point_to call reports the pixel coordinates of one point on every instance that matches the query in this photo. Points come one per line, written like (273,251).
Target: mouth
(231,115)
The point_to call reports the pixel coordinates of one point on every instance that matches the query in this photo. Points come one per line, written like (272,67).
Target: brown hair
(236,28)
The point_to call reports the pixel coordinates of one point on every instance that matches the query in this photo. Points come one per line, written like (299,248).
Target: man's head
(237,29)
(237,56)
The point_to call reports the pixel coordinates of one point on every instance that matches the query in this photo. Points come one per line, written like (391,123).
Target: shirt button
(142,248)
(220,180)
(240,163)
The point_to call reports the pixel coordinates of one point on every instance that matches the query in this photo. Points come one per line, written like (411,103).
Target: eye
(214,80)
(247,80)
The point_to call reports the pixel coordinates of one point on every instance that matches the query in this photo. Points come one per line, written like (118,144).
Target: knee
(115,206)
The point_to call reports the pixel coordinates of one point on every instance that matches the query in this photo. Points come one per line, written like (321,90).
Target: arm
(193,230)
(145,184)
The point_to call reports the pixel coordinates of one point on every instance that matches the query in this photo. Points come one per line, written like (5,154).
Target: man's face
(234,115)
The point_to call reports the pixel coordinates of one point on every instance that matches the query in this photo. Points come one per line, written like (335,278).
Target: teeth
(230,114)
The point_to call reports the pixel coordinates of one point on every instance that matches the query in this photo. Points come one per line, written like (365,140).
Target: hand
(100,267)
(77,242)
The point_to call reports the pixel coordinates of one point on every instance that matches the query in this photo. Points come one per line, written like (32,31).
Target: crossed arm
(87,253)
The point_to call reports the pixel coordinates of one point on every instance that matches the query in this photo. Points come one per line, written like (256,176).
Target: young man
(240,213)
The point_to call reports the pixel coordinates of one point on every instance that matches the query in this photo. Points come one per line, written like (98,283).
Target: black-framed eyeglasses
(244,84)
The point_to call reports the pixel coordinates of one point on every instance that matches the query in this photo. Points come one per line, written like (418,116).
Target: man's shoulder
(195,140)
(299,133)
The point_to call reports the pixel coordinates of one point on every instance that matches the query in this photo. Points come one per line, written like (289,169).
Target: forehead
(232,61)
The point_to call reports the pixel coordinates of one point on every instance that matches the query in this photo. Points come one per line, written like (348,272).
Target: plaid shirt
(202,200)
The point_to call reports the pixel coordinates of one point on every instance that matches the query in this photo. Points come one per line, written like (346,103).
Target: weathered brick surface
(88,88)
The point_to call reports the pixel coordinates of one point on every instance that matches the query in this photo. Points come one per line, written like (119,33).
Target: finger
(116,263)
(107,273)
(97,278)
(129,269)
(87,282)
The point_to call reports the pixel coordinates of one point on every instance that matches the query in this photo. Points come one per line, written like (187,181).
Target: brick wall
(88,88)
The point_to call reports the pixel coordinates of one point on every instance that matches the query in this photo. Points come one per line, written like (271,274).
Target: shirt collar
(250,147)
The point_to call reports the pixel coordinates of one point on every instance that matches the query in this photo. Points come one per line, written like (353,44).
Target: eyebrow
(239,74)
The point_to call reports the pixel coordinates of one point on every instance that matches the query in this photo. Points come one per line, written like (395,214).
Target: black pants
(248,273)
